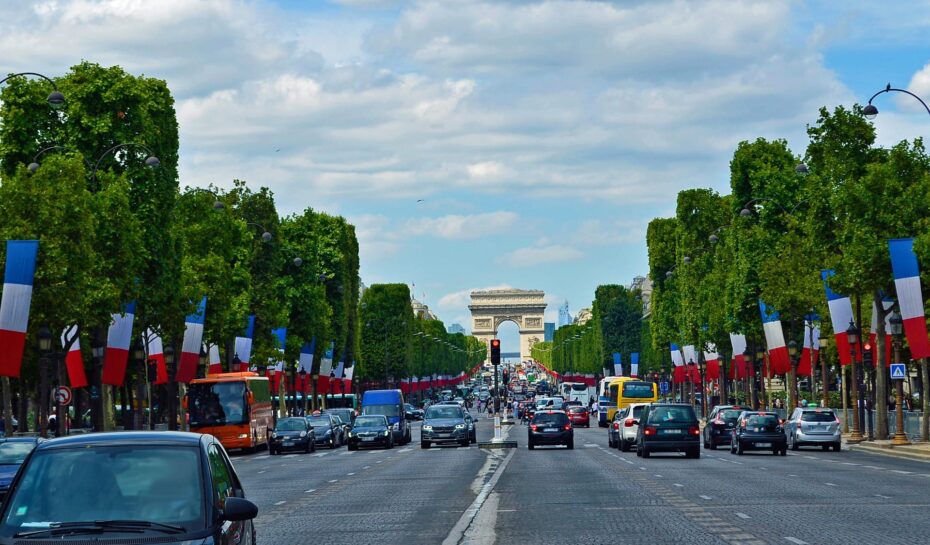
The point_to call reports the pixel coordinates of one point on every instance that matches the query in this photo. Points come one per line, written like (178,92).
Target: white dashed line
(659,476)
(262,471)
(311,491)
(873,467)
(703,497)
(679,485)
(379,461)
(349,474)
(641,467)
(882,496)
(850,464)
(900,472)
(829,484)
(742,515)
(282,502)
(290,456)
(591,445)
(320,455)
(334,480)
(796,541)
(792,475)
(346,453)
(367,467)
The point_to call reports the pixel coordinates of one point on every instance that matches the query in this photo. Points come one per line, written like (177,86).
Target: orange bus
(233,407)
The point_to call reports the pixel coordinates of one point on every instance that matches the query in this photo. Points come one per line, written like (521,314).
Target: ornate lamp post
(55,99)
(897,329)
(303,385)
(793,379)
(45,348)
(172,388)
(870,111)
(825,392)
(852,335)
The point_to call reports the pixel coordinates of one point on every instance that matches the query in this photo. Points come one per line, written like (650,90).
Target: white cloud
(538,254)
(456,300)
(461,227)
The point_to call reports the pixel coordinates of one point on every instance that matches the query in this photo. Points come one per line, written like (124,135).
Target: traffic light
(867,356)
(495,351)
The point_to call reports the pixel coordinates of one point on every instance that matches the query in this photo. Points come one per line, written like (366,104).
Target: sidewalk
(914,451)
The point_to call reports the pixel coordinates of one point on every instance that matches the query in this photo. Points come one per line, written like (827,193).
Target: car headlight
(351,434)
(274,435)
(427,427)
(460,426)
(303,434)
(387,432)
(243,436)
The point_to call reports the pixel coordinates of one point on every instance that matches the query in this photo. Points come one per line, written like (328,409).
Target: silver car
(815,427)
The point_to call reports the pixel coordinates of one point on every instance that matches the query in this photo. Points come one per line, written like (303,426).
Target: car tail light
(781,421)
(568,426)
(616,425)
(694,430)
(649,430)
(533,427)
(799,424)
(628,423)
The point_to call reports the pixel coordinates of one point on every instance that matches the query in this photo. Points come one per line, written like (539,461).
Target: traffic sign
(63,395)
(663,387)
(898,371)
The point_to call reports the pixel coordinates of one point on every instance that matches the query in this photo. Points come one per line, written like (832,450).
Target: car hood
(321,428)
(443,421)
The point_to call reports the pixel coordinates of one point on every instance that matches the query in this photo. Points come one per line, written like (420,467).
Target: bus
(605,401)
(575,391)
(626,390)
(233,407)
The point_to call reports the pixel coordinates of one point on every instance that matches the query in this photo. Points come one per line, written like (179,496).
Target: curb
(889,452)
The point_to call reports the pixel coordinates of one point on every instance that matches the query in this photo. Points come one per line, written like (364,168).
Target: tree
(386,322)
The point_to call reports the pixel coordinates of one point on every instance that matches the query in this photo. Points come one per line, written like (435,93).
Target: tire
(739,448)
(424,444)
(570,444)
(712,445)
(530,445)
(390,444)
(464,443)
(645,452)
(783,452)
(825,448)
(694,453)
(332,444)
(271,451)
(732,447)
(313,445)
(353,447)
(407,438)
(307,448)
(639,451)
(837,447)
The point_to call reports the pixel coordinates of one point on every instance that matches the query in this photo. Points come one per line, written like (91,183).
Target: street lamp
(151,160)
(55,99)
(45,348)
(793,384)
(266,235)
(172,388)
(852,336)
(870,111)
(897,329)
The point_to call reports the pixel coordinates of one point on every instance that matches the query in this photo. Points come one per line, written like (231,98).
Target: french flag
(347,379)
(119,338)
(775,340)
(738,367)
(326,367)
(841,315)
(887,304)
(193,340)
(156,352)
(634,365)
(910,299)
(73,360)
(14,307)
(215,365)
(618,365)
(678,374)
(305,363)
(712,371)
(811,348)
(691,360)
(243,348)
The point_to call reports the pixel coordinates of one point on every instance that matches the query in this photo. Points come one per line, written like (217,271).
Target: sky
(479,144)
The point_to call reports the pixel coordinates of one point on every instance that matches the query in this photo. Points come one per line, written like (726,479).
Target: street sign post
(898,371)
(63,395)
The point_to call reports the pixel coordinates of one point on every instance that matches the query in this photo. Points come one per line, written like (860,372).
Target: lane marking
(796,541)
(742,515)
(659,476)
(873,467)
(334,480)
(320,455)
(829,484)
(902,472)
(349,474)
(463,524)
(262,471)
(311,491)
(282,502)
(367,467)
(346,453)
(641,467)
(703,497)
(882,496)
(679,485)
(792,475)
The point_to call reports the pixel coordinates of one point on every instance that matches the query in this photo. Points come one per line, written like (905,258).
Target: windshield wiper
(101,526)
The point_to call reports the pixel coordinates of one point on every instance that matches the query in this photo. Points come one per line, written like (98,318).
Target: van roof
(227,377)
(375,397)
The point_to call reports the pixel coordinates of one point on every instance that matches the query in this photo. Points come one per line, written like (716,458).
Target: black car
(292,434)
(551,428)
(346,414)
(371,431)
(13,452)
(328,431)
(444,424)
(759,431)
(170,488)
(413,413)
(668,427)
(720,425)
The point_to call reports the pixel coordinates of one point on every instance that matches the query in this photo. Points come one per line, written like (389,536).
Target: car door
(225,484)
(708,426)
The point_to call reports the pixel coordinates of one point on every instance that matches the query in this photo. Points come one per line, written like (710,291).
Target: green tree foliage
(387,329)
(619,320)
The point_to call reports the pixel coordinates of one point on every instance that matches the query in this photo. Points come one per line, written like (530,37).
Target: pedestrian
(516,408)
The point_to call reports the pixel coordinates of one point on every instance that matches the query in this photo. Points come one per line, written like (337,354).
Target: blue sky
(542,136)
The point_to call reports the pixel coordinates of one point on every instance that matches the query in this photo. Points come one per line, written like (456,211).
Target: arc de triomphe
(526,308)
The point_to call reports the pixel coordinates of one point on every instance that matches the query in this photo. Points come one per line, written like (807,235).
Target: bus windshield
(580,387)
(217,403)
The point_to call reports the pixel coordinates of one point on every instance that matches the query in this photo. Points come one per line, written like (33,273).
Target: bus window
(638,390)
(211,404)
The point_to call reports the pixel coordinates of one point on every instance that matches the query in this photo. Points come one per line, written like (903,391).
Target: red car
(579,416)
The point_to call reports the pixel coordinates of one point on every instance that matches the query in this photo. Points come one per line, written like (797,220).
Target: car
(813,427)
(372,430)
(444,424)
(346,427)
(328,431)
(346,414)
(719,427)
(412,412)
(293,433)
(758,430)
(613,429)
(472,427)
(668,427)
(550,428)
(628,428)
(390,403)
(13,452)
(579,416)
(163,487)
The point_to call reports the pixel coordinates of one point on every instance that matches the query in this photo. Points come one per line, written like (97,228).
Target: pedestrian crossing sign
(897,371)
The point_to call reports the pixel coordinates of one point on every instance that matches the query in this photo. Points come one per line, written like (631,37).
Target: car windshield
(818,416)
(217,403)
(672,415)
(15,452)
(291,424)
(147,483)
(639,390)
(317,421)
(444,411)
(544,419)
(580,387)
(365,421)
(386,410)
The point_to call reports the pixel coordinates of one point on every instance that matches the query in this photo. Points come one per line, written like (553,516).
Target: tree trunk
(793,387)
(924,401)
(881,376)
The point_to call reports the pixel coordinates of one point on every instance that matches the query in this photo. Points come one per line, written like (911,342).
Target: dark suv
(551,428)
(759,430)
(668,427)
(444,424)
(720,425)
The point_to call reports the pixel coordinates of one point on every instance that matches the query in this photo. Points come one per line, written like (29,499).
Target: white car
(625,424)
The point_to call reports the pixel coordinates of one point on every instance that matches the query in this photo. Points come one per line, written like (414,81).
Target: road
(592,494)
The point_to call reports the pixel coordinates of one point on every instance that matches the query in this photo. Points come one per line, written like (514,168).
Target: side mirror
(238,509)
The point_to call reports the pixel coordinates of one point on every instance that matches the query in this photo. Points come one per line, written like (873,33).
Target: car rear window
(817,416)
(762,421)
(637,412)
(577,410)
(672,415)
(730,414)
(549,418)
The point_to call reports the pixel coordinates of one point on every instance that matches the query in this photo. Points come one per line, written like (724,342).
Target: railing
(911,422)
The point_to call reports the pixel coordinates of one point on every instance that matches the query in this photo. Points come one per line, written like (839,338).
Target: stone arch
(526,308)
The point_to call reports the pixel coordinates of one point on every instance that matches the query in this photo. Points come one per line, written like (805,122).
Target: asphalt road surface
(592,494)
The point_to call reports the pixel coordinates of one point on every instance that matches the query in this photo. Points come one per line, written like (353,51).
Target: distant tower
(564,317)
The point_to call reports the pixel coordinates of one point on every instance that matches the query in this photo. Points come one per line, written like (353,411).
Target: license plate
(368,438)
(672,432)
(550,429)
(763,445)
(288,443)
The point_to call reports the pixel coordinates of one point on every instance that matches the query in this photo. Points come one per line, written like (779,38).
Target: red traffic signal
(495,351)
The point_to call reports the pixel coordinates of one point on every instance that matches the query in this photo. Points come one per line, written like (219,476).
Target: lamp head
(870,112)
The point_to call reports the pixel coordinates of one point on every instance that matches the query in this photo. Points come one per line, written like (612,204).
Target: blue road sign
(663,387)
(898,371)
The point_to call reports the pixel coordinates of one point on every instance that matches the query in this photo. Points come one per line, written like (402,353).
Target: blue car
(389,403)
(13,452)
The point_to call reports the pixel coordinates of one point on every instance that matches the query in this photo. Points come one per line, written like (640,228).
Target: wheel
(424,444)
(464,443)
(639,451)
(407,438)
(531,445)
(272,451)
(307,448)
(792,442)
(783,452)
(645,452)
(694,453)
(825,447)
(837,447)
(739,448)
(711,445)
(332,443)
(732,447)
(353,447)
(390,443)
(313,445)
(570,444)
